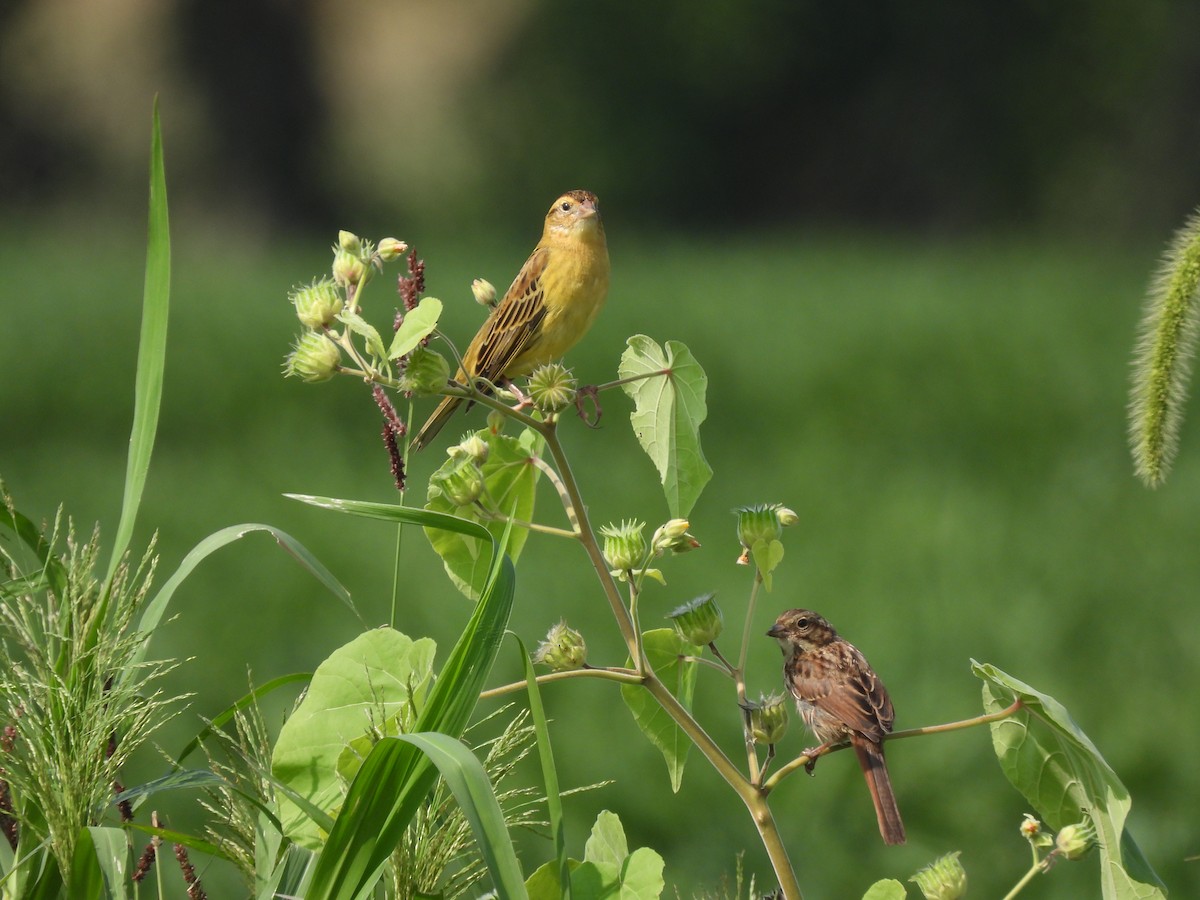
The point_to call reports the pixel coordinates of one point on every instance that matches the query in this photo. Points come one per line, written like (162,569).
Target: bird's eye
(565,206)
(802,622)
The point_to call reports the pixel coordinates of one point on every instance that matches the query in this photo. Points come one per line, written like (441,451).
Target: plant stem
(1025,879)
(627,676)
(804,759)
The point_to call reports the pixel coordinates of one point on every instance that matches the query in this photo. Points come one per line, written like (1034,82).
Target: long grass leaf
(152,348)
(157,607)
(541,727)
(465,776)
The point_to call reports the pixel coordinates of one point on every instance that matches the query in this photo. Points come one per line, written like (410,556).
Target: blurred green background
(907,242)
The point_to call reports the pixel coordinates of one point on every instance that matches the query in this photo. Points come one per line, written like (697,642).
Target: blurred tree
(919,113)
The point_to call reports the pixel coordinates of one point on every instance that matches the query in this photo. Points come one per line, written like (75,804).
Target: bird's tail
(435,422)
(870,757)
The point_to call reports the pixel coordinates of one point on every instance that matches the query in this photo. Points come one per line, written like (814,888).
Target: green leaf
(380,805)
(541,728)
(1049,759)
(544,883)
(418,324)
(361,686)
(767,556)
(510,484)
(152,348)
(52,573)
(663,648)
(668,410)
(465,776)
(365,330)
(887,889)
(609,870)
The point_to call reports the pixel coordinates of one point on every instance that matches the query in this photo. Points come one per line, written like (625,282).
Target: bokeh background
(908,242)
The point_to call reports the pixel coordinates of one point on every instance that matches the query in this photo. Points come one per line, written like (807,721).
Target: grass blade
(152,348)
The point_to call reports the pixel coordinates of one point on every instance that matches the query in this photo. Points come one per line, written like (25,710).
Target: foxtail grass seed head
(551,388)
(943,879)
(698,621)
(462,484)
(317,304)
(426,371)
(390,248)
(1163,355)
(1074,841)
(563,650)
(624,545)
(313,358)
(484,291)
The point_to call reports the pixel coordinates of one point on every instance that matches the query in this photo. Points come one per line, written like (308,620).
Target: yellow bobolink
(550,305)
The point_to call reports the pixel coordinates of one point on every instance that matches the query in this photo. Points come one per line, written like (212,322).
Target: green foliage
(663,648)
(668,412)
(1059,770)
(887,889)
(418,324)
(509,488)
(608,869)
(371,687)
(76,693)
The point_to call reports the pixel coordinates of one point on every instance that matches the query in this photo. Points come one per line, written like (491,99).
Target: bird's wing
(514,323)
(861,701)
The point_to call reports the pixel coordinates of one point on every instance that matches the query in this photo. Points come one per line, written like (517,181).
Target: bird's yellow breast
(575,285)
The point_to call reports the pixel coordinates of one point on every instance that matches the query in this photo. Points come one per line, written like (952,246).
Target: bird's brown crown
(803,628)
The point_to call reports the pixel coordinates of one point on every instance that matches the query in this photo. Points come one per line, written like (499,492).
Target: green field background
(946,416)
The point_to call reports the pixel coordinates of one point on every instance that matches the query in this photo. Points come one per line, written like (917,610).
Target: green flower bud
(462,484)
(313,358)
(484,291)
(1031,830)
(699,621)
(473,447)
(563,650)
(348,268)
(390,248)
(495,421)
(624,545)
(673,537)
(350,242)
(942,879)
(317,304)
(551,388)
(768,718)
(758,523)
(786,516)
(1074,841)
(426,371)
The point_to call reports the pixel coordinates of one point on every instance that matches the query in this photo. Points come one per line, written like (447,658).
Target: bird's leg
(510,387)
(815,753)
(591,392)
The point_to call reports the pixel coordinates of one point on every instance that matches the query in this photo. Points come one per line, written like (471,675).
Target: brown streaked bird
(840,699)
(550,305)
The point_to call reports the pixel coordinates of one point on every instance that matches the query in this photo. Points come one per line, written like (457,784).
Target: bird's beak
(587,209)
(775,631)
